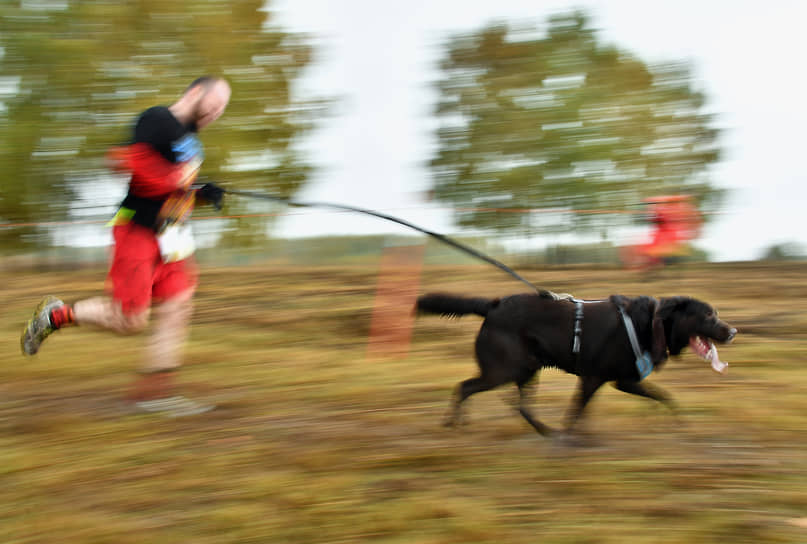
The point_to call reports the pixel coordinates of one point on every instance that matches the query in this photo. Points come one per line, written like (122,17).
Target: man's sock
(62,316)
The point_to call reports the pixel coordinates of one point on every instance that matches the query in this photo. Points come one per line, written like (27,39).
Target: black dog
(524,333)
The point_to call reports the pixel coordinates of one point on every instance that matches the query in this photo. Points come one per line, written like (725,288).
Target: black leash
(445,239)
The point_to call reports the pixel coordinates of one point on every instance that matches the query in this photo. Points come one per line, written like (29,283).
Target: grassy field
(315,442)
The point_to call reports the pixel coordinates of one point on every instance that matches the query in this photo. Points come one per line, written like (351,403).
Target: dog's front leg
(588,385)
(649,391)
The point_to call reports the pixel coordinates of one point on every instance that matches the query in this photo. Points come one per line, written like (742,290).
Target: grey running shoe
(174,406)
(39,326)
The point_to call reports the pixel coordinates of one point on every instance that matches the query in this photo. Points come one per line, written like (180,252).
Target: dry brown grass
(314,442)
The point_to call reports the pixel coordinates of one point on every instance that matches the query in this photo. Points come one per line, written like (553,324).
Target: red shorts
(138,273)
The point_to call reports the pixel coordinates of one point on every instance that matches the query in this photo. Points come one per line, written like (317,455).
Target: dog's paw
(574,440)
(453,420)
(454,423)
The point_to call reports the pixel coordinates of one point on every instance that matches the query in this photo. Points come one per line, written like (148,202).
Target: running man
(153,246)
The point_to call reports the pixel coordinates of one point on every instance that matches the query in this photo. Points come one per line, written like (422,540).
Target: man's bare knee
(181,301)
(134,323)
(176,309)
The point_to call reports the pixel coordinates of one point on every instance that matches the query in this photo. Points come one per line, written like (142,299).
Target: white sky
(379,56)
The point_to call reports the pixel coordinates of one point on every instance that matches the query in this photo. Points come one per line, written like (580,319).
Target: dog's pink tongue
(712,357)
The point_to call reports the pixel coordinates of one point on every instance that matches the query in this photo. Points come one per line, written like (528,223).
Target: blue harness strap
(644,364)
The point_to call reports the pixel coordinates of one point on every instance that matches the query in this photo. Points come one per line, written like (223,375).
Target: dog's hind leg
(464,390)
(523,396)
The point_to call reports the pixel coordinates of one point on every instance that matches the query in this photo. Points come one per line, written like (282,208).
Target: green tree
(77,72)
(562,122)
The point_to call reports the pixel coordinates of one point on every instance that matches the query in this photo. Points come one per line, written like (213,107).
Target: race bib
(176,243)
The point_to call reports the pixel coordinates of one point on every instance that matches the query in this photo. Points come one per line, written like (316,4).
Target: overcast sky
(378,58)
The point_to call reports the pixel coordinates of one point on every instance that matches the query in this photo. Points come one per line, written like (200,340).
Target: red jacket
(153,176)
(156,178)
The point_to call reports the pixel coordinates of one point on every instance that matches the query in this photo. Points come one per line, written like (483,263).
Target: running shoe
(39,326)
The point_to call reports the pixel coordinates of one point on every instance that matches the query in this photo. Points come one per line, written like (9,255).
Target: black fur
(523,333)
(450,306)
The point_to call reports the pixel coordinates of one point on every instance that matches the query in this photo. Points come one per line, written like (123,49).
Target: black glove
(212,193)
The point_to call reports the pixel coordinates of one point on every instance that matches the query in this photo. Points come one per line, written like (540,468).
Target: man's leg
(108,313)
(162,356)
(52,314)
(152,382)
(171,322)
(174,285)
(154,389)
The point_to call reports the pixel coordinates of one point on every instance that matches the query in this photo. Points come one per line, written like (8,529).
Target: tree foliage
(562,122)
(76,73)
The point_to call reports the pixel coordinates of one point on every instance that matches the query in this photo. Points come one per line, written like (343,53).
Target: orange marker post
(396,291)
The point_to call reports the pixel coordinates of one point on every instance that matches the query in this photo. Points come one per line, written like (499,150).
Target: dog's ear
(644,312)
(641,310)
(669,305)
(662,322)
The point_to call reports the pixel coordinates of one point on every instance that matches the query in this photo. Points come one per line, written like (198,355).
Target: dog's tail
(455,306)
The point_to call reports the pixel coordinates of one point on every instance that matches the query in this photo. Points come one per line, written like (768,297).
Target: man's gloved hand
(211,193)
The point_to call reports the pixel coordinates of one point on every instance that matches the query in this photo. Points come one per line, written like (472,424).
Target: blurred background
(570,140)
(540,131)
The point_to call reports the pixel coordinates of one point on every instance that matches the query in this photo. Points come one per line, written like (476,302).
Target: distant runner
(676,222)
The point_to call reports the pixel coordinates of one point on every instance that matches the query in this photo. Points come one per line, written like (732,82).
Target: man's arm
(152,174)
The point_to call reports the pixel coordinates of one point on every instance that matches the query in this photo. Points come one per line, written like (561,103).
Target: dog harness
(578,329)
(578,324)
(644,363)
